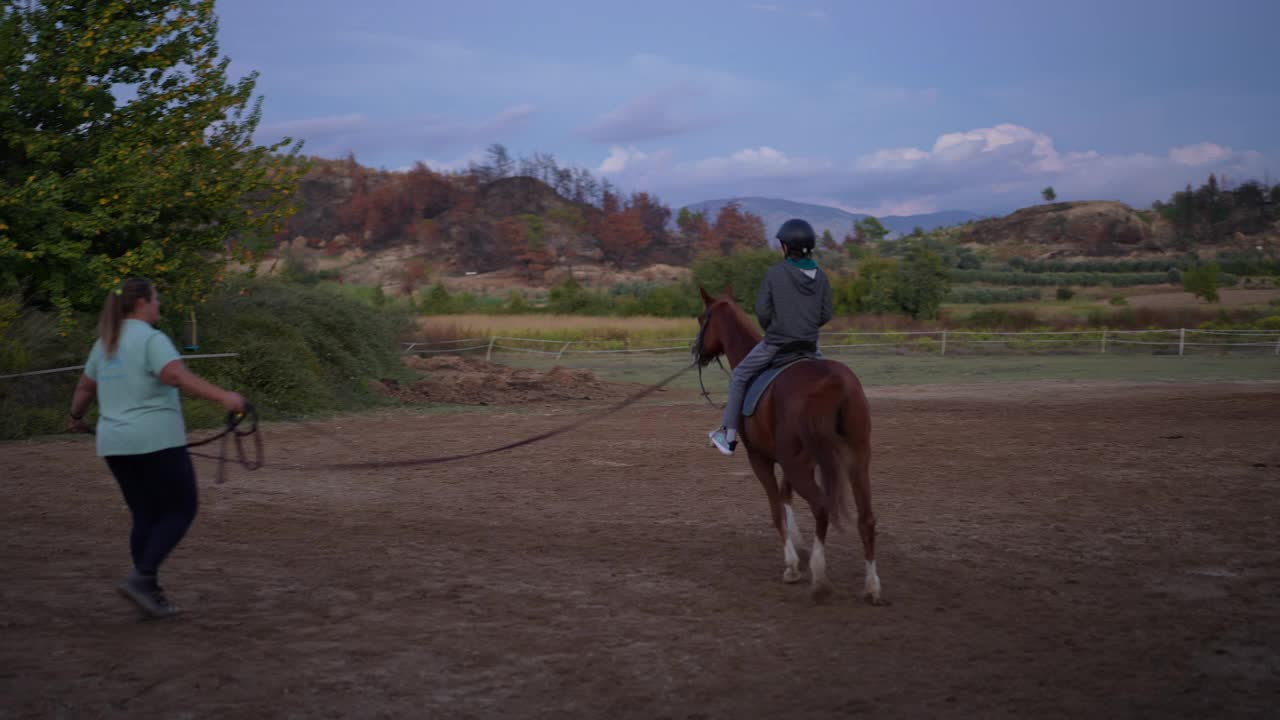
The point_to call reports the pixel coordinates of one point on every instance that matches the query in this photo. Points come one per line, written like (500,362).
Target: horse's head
(710,343)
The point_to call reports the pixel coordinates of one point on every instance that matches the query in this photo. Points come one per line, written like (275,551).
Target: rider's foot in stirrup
(721,440)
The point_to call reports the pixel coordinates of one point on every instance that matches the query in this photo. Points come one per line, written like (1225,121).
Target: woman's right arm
(176,374)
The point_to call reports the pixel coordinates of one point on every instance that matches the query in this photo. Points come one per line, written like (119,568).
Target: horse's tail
(822,435)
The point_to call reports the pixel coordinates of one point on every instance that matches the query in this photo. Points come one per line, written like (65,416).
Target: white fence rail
(1181,341)
(72,368)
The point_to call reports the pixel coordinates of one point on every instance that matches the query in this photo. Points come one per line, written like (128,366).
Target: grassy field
(558,327)
(887,370)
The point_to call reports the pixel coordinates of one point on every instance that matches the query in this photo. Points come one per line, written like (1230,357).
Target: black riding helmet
(798,236)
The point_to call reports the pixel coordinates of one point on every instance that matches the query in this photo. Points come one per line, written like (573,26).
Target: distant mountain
(775,212)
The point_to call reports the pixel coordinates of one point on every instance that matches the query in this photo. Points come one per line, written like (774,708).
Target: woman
(135,372)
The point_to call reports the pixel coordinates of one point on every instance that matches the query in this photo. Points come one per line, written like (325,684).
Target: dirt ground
(1049,550)
(450,379)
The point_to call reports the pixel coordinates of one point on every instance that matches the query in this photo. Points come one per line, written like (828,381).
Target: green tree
(872,290)
(125,150)
(1048,194)
(869,229)
(1203,281)
(828,241)
(743,270)
(922,283)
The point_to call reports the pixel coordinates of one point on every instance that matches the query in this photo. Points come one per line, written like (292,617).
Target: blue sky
(890,107)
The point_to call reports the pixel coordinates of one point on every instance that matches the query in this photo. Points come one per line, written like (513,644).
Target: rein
(697,360)
(235,420)
(490,451)
(233,430)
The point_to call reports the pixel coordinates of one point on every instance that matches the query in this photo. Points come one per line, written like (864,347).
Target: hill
(535,226)
(775,211)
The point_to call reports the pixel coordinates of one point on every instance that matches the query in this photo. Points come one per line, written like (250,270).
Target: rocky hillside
(401,229)
(461,223)
(1084,229)
(1099,229)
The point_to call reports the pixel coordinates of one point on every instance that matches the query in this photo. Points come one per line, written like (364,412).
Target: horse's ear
(728,290)
(706,299)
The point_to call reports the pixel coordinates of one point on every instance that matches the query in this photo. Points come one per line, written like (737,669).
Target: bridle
(699,359)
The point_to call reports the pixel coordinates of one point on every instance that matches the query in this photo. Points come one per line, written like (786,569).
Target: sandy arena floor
(1049,550)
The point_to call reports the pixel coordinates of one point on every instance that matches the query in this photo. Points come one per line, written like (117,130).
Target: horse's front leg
(784,519)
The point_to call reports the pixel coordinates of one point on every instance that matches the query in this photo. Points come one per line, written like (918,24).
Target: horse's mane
(739,317)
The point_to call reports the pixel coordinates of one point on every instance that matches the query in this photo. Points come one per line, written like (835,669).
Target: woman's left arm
(86,390)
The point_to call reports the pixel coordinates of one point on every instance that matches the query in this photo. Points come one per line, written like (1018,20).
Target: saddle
(788,355)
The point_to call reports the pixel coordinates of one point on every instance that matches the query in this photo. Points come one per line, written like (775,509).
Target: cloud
(913,206)
(771,8)
(878,95)
(338,134)
(1199,154)
(661,114)
(999,167)
(761,162)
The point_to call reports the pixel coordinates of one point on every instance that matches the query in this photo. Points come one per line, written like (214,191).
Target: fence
(1179,341)
(72,368)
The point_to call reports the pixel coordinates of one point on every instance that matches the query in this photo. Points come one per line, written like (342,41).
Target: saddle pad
(761,382)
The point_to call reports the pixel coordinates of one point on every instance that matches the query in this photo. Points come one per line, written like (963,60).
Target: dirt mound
(469,381)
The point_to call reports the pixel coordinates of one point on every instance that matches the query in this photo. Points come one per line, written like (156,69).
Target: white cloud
(914,206)
(761,162)
(1199,154)
(619,158)
(1004,165)
(661,114)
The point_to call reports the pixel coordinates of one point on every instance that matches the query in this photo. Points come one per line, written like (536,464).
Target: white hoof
(791,575)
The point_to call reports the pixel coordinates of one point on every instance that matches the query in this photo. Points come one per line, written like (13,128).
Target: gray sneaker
(720,439)
(148,595)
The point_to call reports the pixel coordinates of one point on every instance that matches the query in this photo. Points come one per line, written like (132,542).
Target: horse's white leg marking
(818,568)
(871,589)
(789,554)
(793,530)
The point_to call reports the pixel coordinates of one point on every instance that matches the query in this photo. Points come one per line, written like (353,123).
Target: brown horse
(813,416)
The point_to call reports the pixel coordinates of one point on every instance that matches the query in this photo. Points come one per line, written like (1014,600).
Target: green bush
(302,349)
(1065,293)
(743,270)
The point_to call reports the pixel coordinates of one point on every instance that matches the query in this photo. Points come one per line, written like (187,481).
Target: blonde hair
(120,302)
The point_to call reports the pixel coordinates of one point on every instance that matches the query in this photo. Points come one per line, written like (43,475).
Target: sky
(893,107)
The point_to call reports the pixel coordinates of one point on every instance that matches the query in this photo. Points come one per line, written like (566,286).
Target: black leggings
(160,489)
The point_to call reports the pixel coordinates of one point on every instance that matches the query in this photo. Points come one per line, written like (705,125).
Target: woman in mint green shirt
(135,373)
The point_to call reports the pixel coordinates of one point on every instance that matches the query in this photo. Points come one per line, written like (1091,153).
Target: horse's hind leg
(860,479)
(784,520)
(793,537)
(801,477)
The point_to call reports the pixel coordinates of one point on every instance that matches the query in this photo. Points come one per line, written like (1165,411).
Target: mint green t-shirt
(137,413)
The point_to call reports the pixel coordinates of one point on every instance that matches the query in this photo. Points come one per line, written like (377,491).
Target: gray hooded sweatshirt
(793,303)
